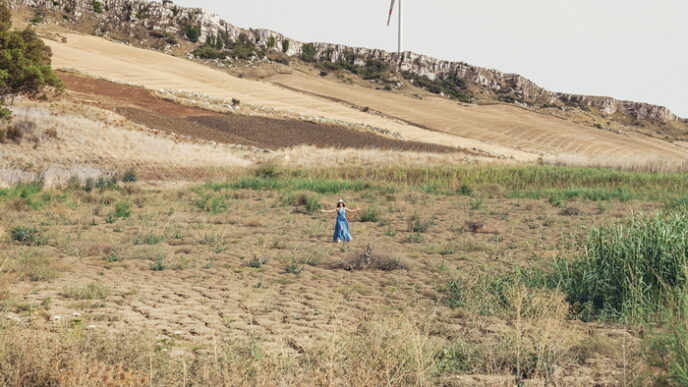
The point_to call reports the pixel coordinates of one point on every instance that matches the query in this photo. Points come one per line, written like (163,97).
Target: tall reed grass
(636,271)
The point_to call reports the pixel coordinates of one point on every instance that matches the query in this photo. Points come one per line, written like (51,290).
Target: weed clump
(92,291)
(304,201)
(418,225)
(28,236)
(370,215)
(158,264)
(122,210)
(214,204)
(372,258)
(293,267)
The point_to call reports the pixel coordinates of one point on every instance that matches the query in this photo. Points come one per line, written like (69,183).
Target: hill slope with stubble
(411,98)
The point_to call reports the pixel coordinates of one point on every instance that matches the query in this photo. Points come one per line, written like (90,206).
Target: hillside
(168,27)
(285,87)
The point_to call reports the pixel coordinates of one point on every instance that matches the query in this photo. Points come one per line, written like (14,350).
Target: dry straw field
(449,280)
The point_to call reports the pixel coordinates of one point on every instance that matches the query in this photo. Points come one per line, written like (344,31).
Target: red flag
(391,9)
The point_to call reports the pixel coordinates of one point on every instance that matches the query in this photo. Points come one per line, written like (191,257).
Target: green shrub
(28,236)
(129,176)
(257,262)
(268,170)
(285,46)
(122,210)
(293,267)
(209,52)
(271,42)
(24,61)
(97,7)
(214,204)
(193,33)
(452,86)
(308,52)
(31,195)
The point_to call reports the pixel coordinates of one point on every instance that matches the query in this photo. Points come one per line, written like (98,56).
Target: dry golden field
(237,283)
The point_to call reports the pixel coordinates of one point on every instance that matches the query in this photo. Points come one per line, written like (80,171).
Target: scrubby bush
(269,170)
(452,86)
(308,52)
(213,204)
(97,7)
(129,176)
(372,258)
(193,33)
(122,210)
(271,42)
(27,236)
(210,52)
(285,46)
(418,225)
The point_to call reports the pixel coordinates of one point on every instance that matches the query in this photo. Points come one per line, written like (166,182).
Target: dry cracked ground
(191,269)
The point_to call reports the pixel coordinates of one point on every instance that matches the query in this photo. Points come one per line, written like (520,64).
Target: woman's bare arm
(354,210)
(328,210)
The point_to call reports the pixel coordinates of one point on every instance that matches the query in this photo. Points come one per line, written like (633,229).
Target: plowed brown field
(141,106)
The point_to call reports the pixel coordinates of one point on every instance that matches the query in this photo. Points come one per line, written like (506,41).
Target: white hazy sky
(628,49)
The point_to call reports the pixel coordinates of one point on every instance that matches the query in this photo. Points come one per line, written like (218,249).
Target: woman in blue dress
(341,227)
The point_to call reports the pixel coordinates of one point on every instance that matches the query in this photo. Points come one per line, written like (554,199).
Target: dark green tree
(24,62)
(308,52)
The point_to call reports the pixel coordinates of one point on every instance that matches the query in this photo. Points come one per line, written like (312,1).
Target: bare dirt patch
(141,106)
(274,134)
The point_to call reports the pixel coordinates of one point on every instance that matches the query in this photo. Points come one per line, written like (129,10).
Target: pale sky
(627,49)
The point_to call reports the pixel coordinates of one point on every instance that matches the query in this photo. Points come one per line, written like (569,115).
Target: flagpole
(401,32)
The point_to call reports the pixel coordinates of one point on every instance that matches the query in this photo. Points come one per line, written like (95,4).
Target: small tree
(271,42)
(24,62)
(285,46)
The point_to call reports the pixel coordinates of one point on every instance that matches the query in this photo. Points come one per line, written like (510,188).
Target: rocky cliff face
(168,20)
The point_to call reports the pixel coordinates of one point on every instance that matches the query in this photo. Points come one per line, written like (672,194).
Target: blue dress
(341,228)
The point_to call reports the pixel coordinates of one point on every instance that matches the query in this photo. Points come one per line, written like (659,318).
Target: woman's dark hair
(341,204)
